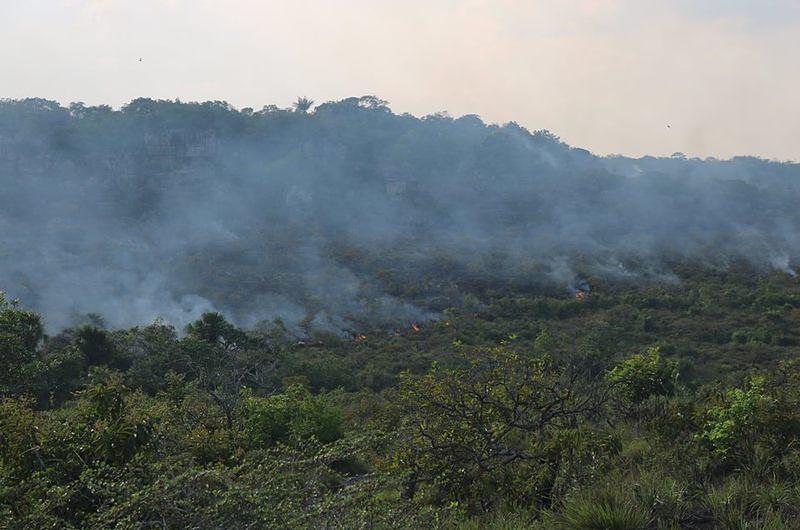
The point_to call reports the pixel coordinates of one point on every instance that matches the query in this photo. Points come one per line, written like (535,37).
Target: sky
(704,77)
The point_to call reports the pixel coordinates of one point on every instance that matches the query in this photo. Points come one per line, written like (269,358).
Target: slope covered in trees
(339,317)
(334,218)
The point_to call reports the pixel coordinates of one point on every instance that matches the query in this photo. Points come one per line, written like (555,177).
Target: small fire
(358,337)
(415,328)
(580,296)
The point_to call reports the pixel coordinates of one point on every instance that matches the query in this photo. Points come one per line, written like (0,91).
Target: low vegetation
(640,406)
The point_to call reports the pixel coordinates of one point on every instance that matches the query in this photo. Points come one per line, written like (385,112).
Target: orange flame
(580,296)
(358,337)
(415,328)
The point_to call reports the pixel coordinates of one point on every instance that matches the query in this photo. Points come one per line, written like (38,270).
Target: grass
(608,509)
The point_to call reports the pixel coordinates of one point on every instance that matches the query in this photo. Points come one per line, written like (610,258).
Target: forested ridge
(341,317)
(171,209)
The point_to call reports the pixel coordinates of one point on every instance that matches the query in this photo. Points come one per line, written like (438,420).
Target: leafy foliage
(473,430)
(516,409)
(291,417)
(644,375)
(20,332)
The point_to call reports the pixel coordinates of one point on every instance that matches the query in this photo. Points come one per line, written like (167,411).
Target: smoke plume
(349,213)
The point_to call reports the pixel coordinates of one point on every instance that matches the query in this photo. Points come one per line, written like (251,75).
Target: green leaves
(20,333)
(213,328)
(744,417)
(484,429)
(95,344)
(291,417)
(644,375)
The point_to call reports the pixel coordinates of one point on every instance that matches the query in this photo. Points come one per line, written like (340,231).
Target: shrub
(643,376)
(733,426)
(503,426)
(291,417)
(603,510)
(20,333)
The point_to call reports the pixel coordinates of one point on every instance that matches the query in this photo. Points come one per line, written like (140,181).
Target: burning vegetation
(582,291)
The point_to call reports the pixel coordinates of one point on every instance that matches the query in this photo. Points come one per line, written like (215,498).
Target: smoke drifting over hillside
(348,214)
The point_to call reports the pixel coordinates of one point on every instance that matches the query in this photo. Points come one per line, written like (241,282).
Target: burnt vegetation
(340,317)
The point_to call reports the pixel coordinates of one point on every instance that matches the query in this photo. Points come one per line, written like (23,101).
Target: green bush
(291,417)
(20,333)
(603,510)
(643,376)
(736,424)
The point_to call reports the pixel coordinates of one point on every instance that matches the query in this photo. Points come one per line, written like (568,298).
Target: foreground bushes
(504,426)
(291,418)
(497,418)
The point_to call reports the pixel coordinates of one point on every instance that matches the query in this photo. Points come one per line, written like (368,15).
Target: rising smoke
(164,209)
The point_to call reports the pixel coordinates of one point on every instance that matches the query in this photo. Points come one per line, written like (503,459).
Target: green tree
(303,104)
(762,415)
(216,357)
(485,428)
(641,377)
(20,333)
(95,344)
(213,328)
(292,417)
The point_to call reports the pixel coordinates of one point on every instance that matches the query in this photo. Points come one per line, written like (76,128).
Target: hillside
(171,209)
(340,317)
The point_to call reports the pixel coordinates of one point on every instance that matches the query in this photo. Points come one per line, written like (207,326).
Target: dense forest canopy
(346,215)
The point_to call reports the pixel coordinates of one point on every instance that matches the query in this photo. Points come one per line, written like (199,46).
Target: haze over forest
(606,75)
(542,276)
(316,214)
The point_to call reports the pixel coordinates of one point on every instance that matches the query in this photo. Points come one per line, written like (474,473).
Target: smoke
(350,215)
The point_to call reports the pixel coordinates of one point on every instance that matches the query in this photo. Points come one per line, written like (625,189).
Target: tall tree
(303,104)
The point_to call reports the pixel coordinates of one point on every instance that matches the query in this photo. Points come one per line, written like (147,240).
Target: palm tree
(303,104)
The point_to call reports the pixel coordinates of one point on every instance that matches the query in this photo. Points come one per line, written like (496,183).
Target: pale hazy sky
(607,75)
